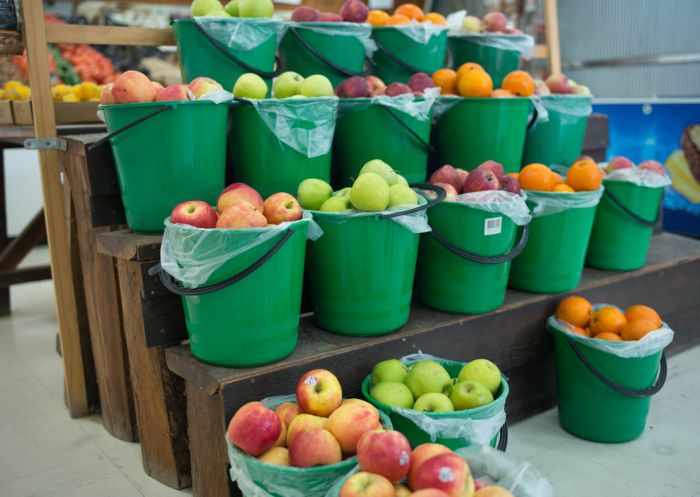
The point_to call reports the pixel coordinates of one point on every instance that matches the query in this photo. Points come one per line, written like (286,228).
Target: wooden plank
(540,52)
(551,26)
(9,277)
(159,395)
(56,226)
(108,35)
(127,245)
(17,249)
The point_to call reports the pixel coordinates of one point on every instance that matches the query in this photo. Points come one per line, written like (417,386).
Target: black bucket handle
(628,392)
(173,285)
(503,438)
(481,259)
(138,121)
(628,211)
(441,194)
(323,58)
(396,60)
(427,146)
(221,48)
(533,119)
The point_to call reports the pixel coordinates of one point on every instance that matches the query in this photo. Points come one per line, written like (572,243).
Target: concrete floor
(43,452)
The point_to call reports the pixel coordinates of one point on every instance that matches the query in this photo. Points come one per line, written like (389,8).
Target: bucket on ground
(599,376)
(625,219)
(559,139)
(174,149)
(470,131)
(552,261)
(237,312)
(407,49)
(225,48)
(275,144)
(464,261)
(337,50)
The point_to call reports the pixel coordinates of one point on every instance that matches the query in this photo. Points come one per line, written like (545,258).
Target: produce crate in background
(6,112)
(66,112)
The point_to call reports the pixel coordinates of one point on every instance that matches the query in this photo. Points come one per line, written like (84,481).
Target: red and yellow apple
(315,447)
(287,412)
(492,491)
(364,484)
(429,492)
(282,439)
(241,216)
(447,472)
(254,428)
(278,456)
(402,491)
(239,193)
(350,421)
(304,422)
(194,213)
(421,454)
(386,453)
(173,92)
(106,97)
(133,87)
(319,392)
(201,86)
(280,208)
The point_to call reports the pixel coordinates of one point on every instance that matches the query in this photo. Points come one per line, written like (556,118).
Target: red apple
(431,492)
(195,213)
(420,81)
(241,216)
(653,166)
(463,175)
(386,453)
(376,86)
(395,89)
(314,448)
(493,166)
(280,208)
(585,157)
(509,184)
(282,439)
(481,180)
(421,454)
(201,86)
(365,484)
(353,87)
(449,190)
(278,456)
(305,14)
(319,392)
(329,17)
(557,83)
(354,11)
(447,174)
(287,412)
(254,428)
(173,92)
(237,193)
(494,21)
(446,472)
(617,163)
(106,95)
(349,422)
(304,422)
(133,87)
(479,484)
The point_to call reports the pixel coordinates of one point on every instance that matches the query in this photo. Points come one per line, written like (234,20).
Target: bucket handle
(173,285)
(221,48)
(323,58)
(647,392)
(628,211)
(441,194)
(503,438)
(138,121)
(481,259)
(396,60)
(427,146)
(533,119)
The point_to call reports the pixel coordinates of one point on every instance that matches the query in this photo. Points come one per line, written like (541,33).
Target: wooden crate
(66,112)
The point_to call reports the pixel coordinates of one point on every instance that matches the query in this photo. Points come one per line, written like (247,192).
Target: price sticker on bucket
(492,225)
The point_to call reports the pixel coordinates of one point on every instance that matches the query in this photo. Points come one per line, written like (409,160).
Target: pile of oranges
(470,80)
(608,322)
(583,176)
(404,14)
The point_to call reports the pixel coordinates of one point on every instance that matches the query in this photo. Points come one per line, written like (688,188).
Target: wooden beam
(108,35)
(57,228)
(551,26)
(9,277)
(540,52)
(17,249)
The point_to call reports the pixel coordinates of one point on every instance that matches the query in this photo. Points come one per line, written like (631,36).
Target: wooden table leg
(5,305)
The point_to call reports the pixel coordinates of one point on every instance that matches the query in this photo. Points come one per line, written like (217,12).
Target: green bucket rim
(570,96)
(368,100)
(496,36)
(274,100)
(622,181)
(325,24)
(261,229)
(356,214)
(400,28)
(178,103)
(460,99)
(557,194)
(256,20)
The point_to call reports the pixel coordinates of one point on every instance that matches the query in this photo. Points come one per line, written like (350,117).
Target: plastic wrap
(418,107)
(191,255)
(569,107)
(361,31)
(420,32)
(548,203)
(416,222)
(499,202)
(639,177)
(241,33)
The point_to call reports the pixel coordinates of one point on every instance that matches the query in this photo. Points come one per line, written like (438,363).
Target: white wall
(22,188)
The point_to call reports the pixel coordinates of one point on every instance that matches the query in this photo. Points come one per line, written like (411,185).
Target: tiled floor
(43,452)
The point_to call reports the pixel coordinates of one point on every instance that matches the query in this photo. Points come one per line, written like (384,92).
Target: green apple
(370,193)
(389,370)
(312,192)
(335,204)
(428,377)
(218,13)
(232,8)
(256,8)
(400,180)
(316,86)
(287,84)
(393,393)
(470,394)
(345,192)
(402,195)
(482,371)
(203,7)
(250,85)
(381,168)
(433,402)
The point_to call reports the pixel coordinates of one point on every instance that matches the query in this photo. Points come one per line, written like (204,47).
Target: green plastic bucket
(487,51)
(332,49)
(603,397)
(558,140)
(176,153)
(461,250)
(553,258)
(244,316)
(399,56)
(417,436)
(623,226)
(217,48)
(397,138)
(473,130)
(269,162)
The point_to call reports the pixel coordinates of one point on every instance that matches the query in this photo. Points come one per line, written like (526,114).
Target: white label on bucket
(492,226)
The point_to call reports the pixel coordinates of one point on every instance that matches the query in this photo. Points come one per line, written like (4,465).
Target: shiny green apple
(482,371)
(389,370)
(433,402)
(393,393)
(470,394)
(428,377)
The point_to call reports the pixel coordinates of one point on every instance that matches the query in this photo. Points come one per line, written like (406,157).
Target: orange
(562,188)
(515,175)
(607,319)
(608,336)
(409,10)
(467,67)
(536,177)
(557,177)
(446,79)
(637,312)
(637,329)
(435,18)
(501,93)
(584,175)
(577,330)
(519,83)
(377,17)
(574,310)
(396,19)
(475,84)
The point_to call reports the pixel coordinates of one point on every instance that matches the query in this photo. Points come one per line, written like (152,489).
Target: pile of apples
(319,429)
(372,86)
(350,11)
(287,85)
(607,322)
(135,87)
(561,85)
(621,162)
(404,14)
(377,188)
(489,175)
(493,22)
(471,80)
(427,386)
(239,206)
(234,8)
